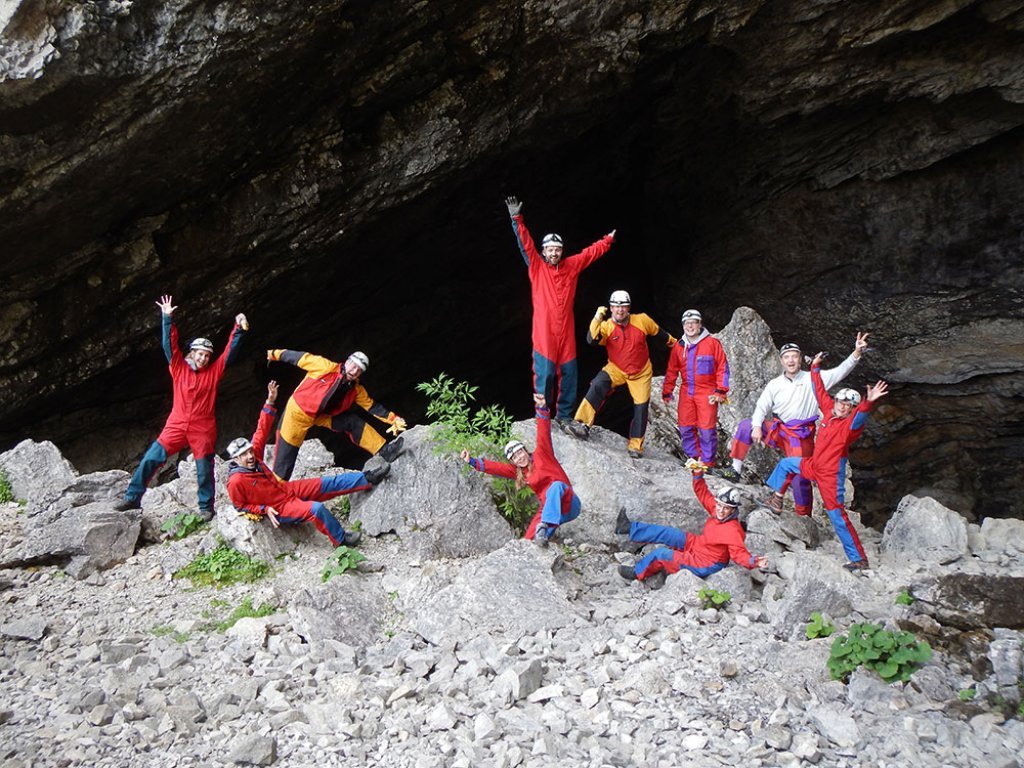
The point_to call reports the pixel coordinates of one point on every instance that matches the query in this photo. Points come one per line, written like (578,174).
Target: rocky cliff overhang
(336,169)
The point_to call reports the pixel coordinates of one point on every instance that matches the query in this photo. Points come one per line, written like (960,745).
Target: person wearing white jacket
(786,412)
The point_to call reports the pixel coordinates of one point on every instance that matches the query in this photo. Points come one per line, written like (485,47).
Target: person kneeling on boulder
(542,472)
(257,492)
(722,539)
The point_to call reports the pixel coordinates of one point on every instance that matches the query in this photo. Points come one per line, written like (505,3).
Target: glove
(514,206)
(695,465)
(601,314)
(397,426)
(242,322)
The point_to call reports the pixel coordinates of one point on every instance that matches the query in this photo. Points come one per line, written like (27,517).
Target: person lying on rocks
(257,492)
(722,539)
(331,396)
(553,279)
(542,472)
(699,362)
(192,421)
(629,362)
(785,415)
(844,420)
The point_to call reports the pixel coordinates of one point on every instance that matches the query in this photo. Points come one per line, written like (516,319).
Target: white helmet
(511,447)
(237,447)
(729,496)
(201,343)
(851,396)
(692,314)
(359,359)
(551,239)
(619,299)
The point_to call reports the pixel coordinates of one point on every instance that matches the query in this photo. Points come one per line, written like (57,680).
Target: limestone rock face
(835,167)
(923,529)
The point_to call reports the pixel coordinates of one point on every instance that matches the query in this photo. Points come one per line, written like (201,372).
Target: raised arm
(597,333)
(313,364)
(593,252)
(543,417)
(230,353)
(526,247)
(367,403)
(266,421)
(489,467)
(168,332)
(825,401)
(703,493)
(833,376)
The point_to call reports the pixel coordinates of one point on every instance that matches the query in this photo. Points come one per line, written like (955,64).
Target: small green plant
(819,626)
(180,526)
(344,559)
(712,598)
(164,630)
(893,655)
(341,507)
(967,694)
(904,598)
(224,565)
(483,432)
(245,610)
(6,492)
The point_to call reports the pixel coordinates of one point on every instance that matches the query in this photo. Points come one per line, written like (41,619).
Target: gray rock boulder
(1003,534)
(923,529)
(82,539)
(813,582)
(973,600)
(37,472)
(348,608)
(511,590)
(261,539)
(433,502)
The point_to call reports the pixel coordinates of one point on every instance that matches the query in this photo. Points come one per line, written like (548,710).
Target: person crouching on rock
(257,492)
(192,421)
(844,420)
(542,472)
(722,539)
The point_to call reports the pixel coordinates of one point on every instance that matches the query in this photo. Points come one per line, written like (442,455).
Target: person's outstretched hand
(514,206)
(465,455)
(881,389)
(271,392)
(166,305)
(861,344)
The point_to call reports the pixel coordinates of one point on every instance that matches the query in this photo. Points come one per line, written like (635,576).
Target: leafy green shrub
(245,610)
(163,630)
(712,598)
(904,598)
(224,565)
(344,559)
(967,694)
(819,626)
(6,492)
(893,655)
(180,526)
(482,433)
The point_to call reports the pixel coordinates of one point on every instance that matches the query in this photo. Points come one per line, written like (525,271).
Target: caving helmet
(619,299)
(201,343)
(692,314)
(790,347)
(851,396)
(729,496)
(359,359)
(237,447)
(551,239)
(511,447)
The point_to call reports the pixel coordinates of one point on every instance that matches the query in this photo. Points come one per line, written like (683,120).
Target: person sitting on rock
(192,421)
(553,282)
(257,492)
(722,539)
(629,362)
(325,398)
(699,362)
(542,472)
(845,418)
(785,415)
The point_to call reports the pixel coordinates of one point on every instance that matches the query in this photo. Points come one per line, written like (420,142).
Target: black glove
(514,206)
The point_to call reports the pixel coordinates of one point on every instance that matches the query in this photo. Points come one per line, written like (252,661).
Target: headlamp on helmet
(237,447)
(201,343)
(692,314)
(619,299)
(360,360)
(790,347)
(551,239)
(851,396)
(511,447)
(729,496)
